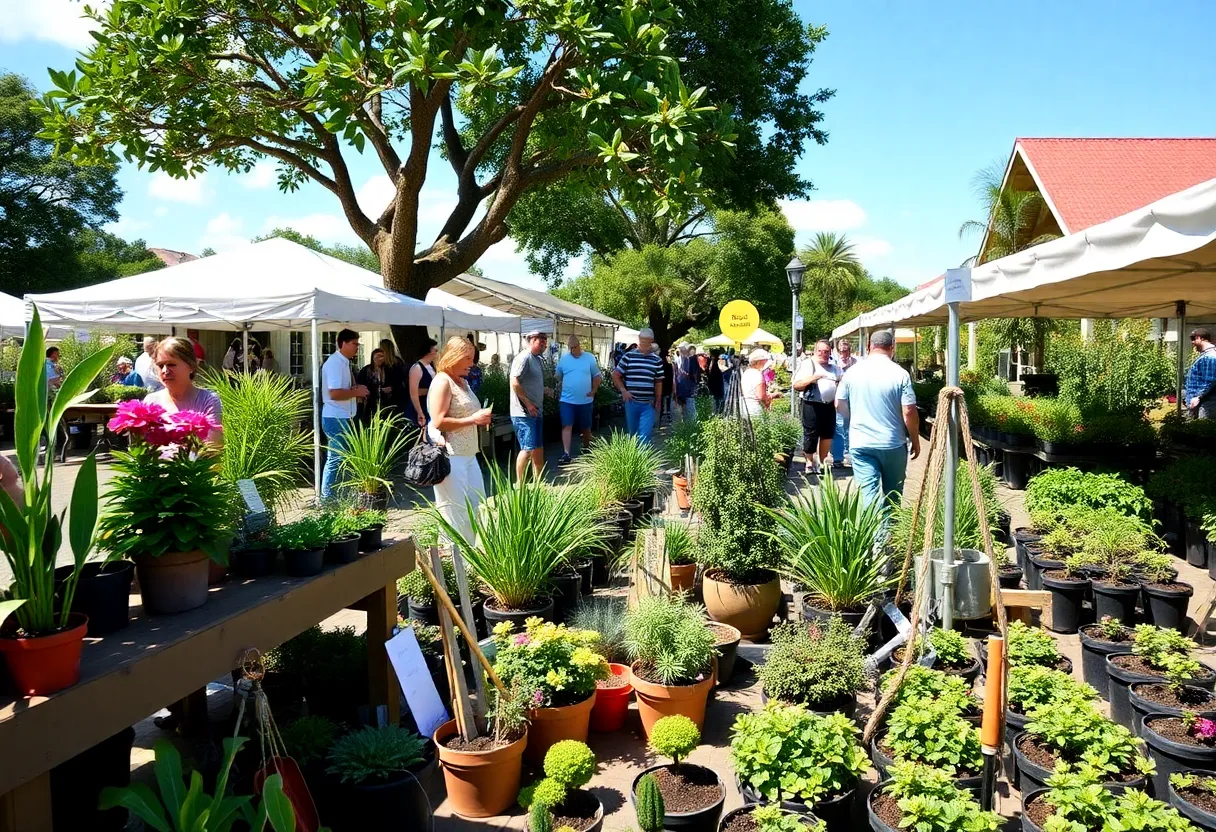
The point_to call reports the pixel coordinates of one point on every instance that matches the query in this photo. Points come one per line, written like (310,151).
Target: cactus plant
(650,808)
(539,819)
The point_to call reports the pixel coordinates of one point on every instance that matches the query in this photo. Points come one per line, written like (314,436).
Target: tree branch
(457,155)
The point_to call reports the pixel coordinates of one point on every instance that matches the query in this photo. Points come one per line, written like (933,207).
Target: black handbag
(427,464)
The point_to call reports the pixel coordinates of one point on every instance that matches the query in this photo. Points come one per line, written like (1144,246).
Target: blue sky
(927,93)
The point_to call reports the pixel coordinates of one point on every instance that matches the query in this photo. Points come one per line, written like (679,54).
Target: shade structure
(12,320)
(763,338)
(462,313)
(718,341)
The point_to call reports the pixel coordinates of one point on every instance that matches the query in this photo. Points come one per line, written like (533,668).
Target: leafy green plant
(677,543)
(1057,488)
(668,636)
(650,809)
(309,738)
(675,737)
(683,441)
(776,819)
(813,664)
(548,662)
(788,753)
(931,731)
(115,393)
(1166,651)
(376,755)
(1031,645)
(967,529)
(73,352)
(1182,483)
(1188,780)
(371,450)
(1081,804)
(342,523)
(604,615)
(827,541)
(568,764)
(307,533)
(320,656)
(931,801)
(1031,686)
(623,466)
(181,808)
(951,647)
(921,682)
(539,817)
(418,588)
(1081,735)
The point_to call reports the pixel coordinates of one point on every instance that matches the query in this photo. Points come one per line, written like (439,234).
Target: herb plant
(309,738)
(776,819)
(813,664)
(1081,804)
(1188,780)
(1032,686)
(1165,650)
(932,732)
(931,801)
(309,532)
(674,736)
(375,755)
(1081,735)
(1057,488)
(415,584)
(921,682)
(669,637)
(552,664)
(950,647)
(1031,645)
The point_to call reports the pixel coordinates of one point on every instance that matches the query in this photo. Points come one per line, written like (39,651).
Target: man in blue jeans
(339,396)
(639,377)
(528,393)
(876,398)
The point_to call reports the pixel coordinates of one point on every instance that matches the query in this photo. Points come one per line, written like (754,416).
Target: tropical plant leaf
(278,806)
(141,801)
(31,399)
(82,511)
(7,608)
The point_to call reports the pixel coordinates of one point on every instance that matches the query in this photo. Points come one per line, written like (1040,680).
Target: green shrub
(309,532)
(1059,488)
(419,590)
(1166,651)
(675,737)
(931,802)
(1031,686)
(309,738)
(669,637)
(925,683)
(1078,734)
(813,664)
(951,647)
(932,732)
(1031,645)
(650,809)
(622,466)
(570,763)
(1081,803)
(375,755)
(119,393)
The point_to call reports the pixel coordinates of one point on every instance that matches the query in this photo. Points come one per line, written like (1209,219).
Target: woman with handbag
(455,415)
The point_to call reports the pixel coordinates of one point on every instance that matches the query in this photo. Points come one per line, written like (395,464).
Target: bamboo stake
(466,609)
(464,711)
(442,594)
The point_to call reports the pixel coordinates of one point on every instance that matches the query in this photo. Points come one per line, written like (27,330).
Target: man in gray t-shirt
(527,399)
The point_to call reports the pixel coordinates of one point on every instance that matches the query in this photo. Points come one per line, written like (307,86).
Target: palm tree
(832,270)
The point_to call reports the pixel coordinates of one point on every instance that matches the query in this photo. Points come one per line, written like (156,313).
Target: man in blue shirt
(876,398)
(578,380)
(1200,389)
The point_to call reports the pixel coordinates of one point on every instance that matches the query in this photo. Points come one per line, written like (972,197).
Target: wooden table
(129,675)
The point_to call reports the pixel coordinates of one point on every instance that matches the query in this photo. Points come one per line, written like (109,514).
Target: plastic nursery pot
(548,726)
(612,704)
(679,485)
(76,785)
(1015,723)
(400,803)
(585,568)
(371,539)
(1038,565)
(656,701)
(1032,776)
(1200,817)
(836,812)
(344,549)
(809,820)
(1120,680)
(683,576)
(1010,576)
(647,499)
(174,582)
(700,820)
(882,762)
(1196,543)
(1172,756)
(567,589)
(1166,604)
(599,570)
(480,784)
(303,563)
(749,608)
(517,617)
(635,509)
(1116,600)
(1016,469)
(1067,599)
(728,648)
(422,613)
(103,594)
(1021,536)
(42,665)
(1204,704)
(1094,651)
(253,563)
(1029,825)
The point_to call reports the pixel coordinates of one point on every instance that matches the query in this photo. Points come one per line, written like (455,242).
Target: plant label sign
(256,515)
(958,285)
(416,683)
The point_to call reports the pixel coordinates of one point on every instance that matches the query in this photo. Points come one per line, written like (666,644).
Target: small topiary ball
(570,763)
(548,792)
(675,737)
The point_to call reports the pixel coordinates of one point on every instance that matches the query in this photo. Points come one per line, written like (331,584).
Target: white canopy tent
(276,284)
(12,320)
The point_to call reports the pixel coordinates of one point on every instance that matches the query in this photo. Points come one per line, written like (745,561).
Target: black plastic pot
(517,617)
(1116,600)
(371,539)
(1016,469)
(647,500)
(808,819)
(1009,577)
(812,613)
(343,549)
(584,568)
(1032,776)
(1067,600)
(1201,818)
(76,785)
(882,762)
(876,823)
(1172,757)
(726,656)
(1038,565)
(1118,691)
(1027,798)
(303,563)
(1166,607)
(253,563)
(1093,659)
(599,570)
(1015,723)
(635,509)
(1021,536)
(567,589)
(103,593)
(423,613)
(1142,707)
(624,521)
(702,820)
(1196,543)
(400,803)
(836,812)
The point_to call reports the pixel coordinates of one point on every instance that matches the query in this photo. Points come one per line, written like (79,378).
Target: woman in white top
(755,392)
(175,359)
(455,415)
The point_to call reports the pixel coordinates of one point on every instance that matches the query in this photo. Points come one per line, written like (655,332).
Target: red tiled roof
(1089,181)
(172,258)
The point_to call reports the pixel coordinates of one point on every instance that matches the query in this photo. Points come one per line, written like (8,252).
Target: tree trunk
(411,342)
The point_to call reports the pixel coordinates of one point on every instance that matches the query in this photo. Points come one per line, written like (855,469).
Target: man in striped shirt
(639,377)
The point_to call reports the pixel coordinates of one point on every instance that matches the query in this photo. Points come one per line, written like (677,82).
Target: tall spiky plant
(370,451)
(623,466)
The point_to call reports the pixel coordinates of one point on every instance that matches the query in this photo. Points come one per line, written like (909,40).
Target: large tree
(45,202)
(522,95)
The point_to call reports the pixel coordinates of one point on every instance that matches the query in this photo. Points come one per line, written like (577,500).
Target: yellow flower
(503,628)
(556,679)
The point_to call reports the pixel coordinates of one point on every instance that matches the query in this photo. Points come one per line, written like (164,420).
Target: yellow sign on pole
(738,320)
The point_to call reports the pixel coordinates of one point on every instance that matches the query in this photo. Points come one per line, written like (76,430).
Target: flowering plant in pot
(818,664)
(1171,696)
(376,772)
(168,509)
(42,644)
(672,654)
(926,799)
(557,669)
(1179,743)
(1077,734)
(692,794)
(559,800)
(482,777)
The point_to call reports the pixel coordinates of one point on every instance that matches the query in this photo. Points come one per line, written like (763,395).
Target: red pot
(611,704)
(43,665)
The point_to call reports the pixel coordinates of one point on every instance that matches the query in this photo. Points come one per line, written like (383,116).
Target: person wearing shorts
(578,380)
(816,383)
(527,398)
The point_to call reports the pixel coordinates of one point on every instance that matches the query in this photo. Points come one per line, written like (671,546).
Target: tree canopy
(522,95)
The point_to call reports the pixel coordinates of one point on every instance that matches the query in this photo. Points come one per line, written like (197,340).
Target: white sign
(958,285)
(799,323)
(416,683)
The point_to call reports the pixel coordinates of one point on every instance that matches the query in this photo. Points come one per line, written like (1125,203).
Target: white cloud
(869,248)
(823,214)
(224,232)
(262,175)
(328,228)
(127,227)
(60,21)
(374,195)
(192,191)
(160,211)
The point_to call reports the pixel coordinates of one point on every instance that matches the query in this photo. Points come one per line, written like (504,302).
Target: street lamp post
(794,271)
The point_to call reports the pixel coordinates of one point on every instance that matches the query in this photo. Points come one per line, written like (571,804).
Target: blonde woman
(455,415)
(177,367)
(395,390)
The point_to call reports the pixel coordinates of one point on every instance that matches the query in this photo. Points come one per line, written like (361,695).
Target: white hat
(535,333)
(124,360)
(759,354)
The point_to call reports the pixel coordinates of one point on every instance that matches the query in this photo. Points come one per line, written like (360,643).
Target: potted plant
(1031,645)
(1073,800)
(951,654)
(624,468)
(922,682)
(1171,697)
(736,484)
(928,800)
(1178,743)
(692,795)
(378,788)
(1098,641)
(678,550)
(1193,794)
(1032,687)
(371,528)
(683,442)
(344,529)
(760,818)
(303,543)
(818,664)
(420,596)
(932,732)
(1068,587)
(800,760)
(308,740)
(482,777)
(369,454)
(103,593)
(726,650)
(606,616)
(672,654)
(167,509)
(255,556)
(1076,733)
(1165,598)
(559,800)
(1155,652)
(827,544)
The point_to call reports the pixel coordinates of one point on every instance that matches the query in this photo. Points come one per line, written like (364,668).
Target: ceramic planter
(1067,599)
(552,725)
(174,582)
(728,647)
(1172,757)
(480,784)
(749,608)
(656,701)
(1166,605)
(343,549)
(1116,600)
(683,576)
(103,594)
(702,820)
(303,563)
(1200,817)
(517,617)
(611,704)
(42,665)
(1093,658)
(371,539)
(1142,707)
(679,485)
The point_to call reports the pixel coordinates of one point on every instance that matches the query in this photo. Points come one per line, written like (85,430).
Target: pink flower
(192,423)
(538,698)
(1204,729)
(137,417)
(521,639)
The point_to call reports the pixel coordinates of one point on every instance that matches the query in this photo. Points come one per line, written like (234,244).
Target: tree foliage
(832,270)
(355,255)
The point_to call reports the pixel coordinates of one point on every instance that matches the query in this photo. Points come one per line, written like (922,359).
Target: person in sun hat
(126,373)
(754,391)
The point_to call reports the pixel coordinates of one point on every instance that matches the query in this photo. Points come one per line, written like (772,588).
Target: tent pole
(952,349)
(314,349)
(915,352)
(972,346)
(1180,309)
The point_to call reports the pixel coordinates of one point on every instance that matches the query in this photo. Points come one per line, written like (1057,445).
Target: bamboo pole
(441,593)
(460,691)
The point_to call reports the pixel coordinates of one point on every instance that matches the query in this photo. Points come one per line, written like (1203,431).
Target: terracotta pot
(480,784)
(611,704)
(680,486)
(749,608)
(42,665)
(552,725)
(175,582)
(215,573)
(657,701)
(683,576)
